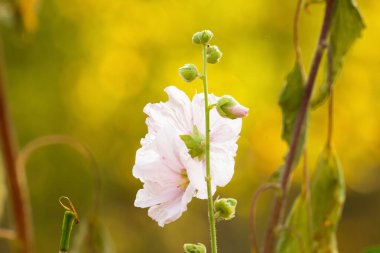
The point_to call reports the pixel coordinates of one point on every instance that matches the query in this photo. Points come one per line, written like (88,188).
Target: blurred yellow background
(91,66)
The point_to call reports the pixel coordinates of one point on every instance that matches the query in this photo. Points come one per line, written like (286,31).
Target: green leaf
(347,25)
(327,199)
(290,103)
(296,236)
(317,235)
(372,250)
(195,142)
(324,92)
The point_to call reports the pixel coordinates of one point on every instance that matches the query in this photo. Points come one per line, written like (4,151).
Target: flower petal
(176,113)
(172,210)
(155,193)
(222,163)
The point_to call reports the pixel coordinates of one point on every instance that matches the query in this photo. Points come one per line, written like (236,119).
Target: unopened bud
(213,54)
(188,72)
(225,208)
(194,248)
(228,107)
(202,37)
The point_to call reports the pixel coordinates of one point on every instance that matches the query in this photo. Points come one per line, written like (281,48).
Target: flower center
(184,182)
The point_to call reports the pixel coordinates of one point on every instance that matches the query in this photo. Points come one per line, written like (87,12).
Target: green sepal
(195,142)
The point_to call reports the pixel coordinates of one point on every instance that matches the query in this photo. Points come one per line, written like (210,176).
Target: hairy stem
(208,169)
(16,179)
(276,219)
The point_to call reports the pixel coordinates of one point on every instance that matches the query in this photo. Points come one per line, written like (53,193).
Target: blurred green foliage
(91,66)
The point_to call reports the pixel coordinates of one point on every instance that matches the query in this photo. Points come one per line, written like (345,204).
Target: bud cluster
(189,72)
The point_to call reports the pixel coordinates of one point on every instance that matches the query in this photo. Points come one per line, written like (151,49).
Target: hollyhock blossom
(182,115)
(169,174)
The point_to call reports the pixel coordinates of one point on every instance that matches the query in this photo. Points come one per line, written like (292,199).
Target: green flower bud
(188,72)
(213,54)
(202,37)
(225,208)
(228,107)
(194,248)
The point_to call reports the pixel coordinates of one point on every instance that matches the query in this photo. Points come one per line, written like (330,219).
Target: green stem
(208,170)
(67,226)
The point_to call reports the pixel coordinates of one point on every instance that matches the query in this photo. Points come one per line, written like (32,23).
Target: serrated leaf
(327,199)
(372,250)
(92,237)
(347,25)
(290,103)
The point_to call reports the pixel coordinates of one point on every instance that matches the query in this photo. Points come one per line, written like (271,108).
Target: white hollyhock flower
(169,174)
(182,115)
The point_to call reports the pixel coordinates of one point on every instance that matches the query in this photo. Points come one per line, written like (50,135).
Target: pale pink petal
(172,210)
(155,193)
(222,163)
(176,113)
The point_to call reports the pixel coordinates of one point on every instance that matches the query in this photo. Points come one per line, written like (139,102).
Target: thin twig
(252,216)
(279,203)
(16,181)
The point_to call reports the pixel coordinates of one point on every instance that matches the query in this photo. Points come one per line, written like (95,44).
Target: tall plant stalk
(208,167)
(15,178)
(276,219)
